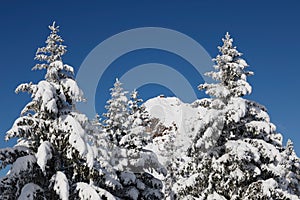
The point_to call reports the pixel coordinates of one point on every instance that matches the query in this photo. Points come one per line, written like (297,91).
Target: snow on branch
(61,185)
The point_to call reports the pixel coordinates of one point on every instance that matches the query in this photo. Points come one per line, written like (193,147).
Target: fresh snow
(170,111)
(28,191)
(22,164)
(215,196)
(77,138)
(44,154)
(73,89)
(223,147)
(127,178)
(61,185)
(87,192)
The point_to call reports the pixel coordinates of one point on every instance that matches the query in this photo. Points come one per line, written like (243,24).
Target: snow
(266,150)
(159,145)
(148,160)
(6,157)
(243,150)
(101,192)
(219,91)
(22,164)
(58,65)
(87,192)
(76,133)
(237,174)
(73,90)
(28,107)
(259,114)
(258,127)
(215,196)
(230,140)
(127,178)
(69,68)
(28,191)
(268,186)
(44,154)
(238,108)
(155,183)
(132,192)
(140,185)
(51,106)
(77,138)
(170,111)
(209,139)
(181,183)
(112,181)
(61,185)
(90,156)
(46,93)
(20,127)
(150,193)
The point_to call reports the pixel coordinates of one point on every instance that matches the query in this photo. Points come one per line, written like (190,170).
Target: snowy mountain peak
(171,111)
(167,109)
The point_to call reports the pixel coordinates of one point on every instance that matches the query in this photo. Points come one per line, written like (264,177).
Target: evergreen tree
(116,117)
(52,158)
(138,137)
(231,73)
(138,121)
(167,148)
(237,153)
(125,127)
(291,169)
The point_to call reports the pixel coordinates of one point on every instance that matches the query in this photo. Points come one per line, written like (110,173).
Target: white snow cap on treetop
(230,74)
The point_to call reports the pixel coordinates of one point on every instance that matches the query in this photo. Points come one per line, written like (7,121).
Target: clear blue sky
(267,32)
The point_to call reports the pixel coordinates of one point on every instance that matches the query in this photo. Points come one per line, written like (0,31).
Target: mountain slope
(171,111)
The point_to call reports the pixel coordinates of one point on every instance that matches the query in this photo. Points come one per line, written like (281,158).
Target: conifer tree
(237,152)
(125,126)
(52,158)
(138,121)
(231,73)
(116,117)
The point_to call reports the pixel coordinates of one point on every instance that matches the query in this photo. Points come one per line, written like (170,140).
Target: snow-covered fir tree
(116,117)
(166,146)
(125,127)
(237,152)
(138,137)
(231,73)
(138,121)
(52,158)
(291,166)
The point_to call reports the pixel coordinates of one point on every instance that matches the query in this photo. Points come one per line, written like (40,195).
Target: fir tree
(237,153)
(116,117)
(231,73)
(167,151)
(138,122)
(125,127)
(52,158)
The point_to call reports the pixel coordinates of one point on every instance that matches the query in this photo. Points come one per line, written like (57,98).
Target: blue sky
(267,32)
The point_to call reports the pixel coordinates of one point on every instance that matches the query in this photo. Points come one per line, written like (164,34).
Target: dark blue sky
(267,32)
